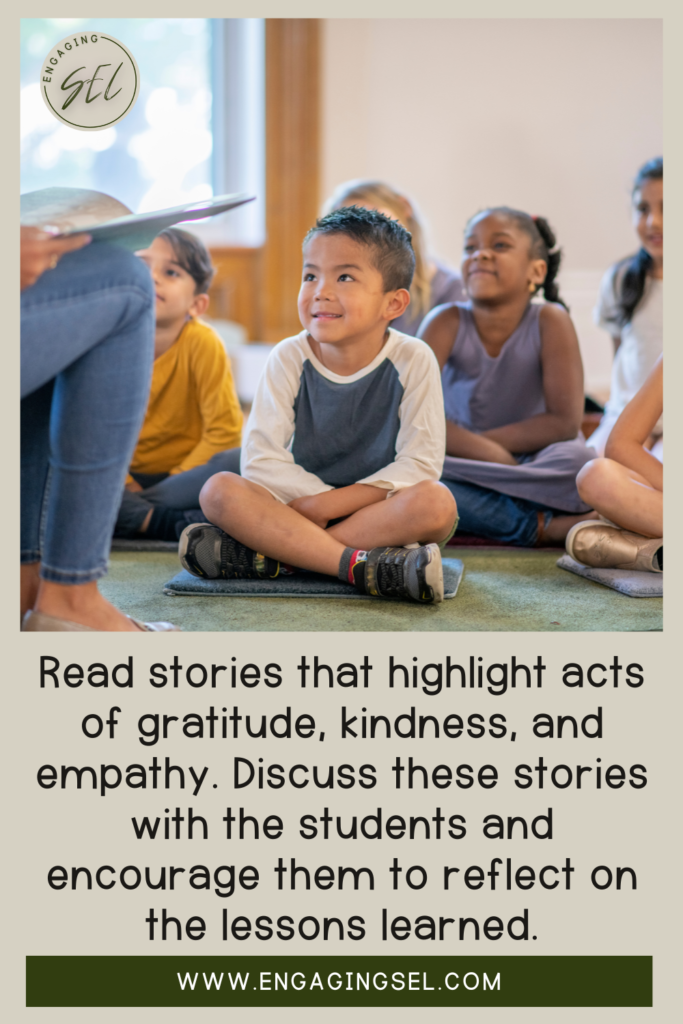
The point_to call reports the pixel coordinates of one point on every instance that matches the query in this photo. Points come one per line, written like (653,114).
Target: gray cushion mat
(130,544)
(625,581)
(305,584)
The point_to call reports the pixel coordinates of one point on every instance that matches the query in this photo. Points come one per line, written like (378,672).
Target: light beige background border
(641,726)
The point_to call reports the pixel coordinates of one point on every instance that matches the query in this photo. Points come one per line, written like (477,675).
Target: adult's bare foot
(82,604)
(30,582)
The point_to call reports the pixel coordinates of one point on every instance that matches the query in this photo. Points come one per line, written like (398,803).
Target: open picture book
(72,210)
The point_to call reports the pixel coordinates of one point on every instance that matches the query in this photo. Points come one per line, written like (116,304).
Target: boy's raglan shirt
(311,430)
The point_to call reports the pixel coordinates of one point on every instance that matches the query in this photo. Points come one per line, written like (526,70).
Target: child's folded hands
(337,503)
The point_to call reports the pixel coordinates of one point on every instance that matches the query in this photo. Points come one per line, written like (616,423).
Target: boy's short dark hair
(389,241)
(192,255)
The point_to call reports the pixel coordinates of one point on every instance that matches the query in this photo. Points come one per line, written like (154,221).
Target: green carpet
(519,591)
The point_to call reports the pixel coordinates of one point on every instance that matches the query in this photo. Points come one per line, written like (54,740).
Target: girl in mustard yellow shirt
(193,424)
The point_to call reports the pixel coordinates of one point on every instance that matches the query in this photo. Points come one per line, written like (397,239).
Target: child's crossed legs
(424,513)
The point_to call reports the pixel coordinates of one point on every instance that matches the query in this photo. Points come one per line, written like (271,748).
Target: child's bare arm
(343,501)
(467,445)
(439,330)
(562,387)
(633,428)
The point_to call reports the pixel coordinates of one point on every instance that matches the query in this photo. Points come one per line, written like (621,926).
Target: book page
(69,209)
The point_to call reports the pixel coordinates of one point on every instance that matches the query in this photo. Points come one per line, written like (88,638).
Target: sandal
(38,622)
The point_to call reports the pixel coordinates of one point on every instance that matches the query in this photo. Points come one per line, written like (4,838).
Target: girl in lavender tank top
(513,386)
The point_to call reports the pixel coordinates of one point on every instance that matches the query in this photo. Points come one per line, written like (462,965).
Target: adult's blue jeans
(87,346)
(488,513)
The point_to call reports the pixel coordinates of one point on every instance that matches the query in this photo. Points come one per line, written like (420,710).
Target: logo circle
(90,81)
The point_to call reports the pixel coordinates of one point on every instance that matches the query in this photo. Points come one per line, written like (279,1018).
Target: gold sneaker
(604,546)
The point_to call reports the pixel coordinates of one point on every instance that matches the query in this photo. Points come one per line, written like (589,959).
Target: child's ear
(538,272)
(397,303)
(200,305)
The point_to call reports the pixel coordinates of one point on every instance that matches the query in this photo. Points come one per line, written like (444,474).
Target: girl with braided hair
(631,305)
(513,385)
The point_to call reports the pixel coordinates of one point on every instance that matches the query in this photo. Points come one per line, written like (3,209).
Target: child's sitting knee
(218,492)
(438,504)
(593,479)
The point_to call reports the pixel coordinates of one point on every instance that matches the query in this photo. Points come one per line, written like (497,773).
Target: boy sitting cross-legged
(346,439)
(193,423)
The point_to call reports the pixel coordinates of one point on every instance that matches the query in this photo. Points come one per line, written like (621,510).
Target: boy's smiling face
(342,298)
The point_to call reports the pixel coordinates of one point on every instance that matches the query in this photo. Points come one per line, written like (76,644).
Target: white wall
(551,116)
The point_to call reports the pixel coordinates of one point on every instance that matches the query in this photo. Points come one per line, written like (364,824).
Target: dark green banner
(339,981)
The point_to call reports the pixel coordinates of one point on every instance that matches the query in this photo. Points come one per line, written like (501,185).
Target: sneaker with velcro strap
(402,574)
(207,551)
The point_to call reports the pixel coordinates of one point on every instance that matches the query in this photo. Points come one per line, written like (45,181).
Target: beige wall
(552,116)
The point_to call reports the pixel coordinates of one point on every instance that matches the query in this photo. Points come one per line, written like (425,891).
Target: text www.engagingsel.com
(399,981)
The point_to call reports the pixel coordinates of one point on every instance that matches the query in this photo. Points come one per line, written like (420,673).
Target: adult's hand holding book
(41,251)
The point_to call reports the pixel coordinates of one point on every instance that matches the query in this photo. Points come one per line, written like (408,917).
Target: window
(196,129)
